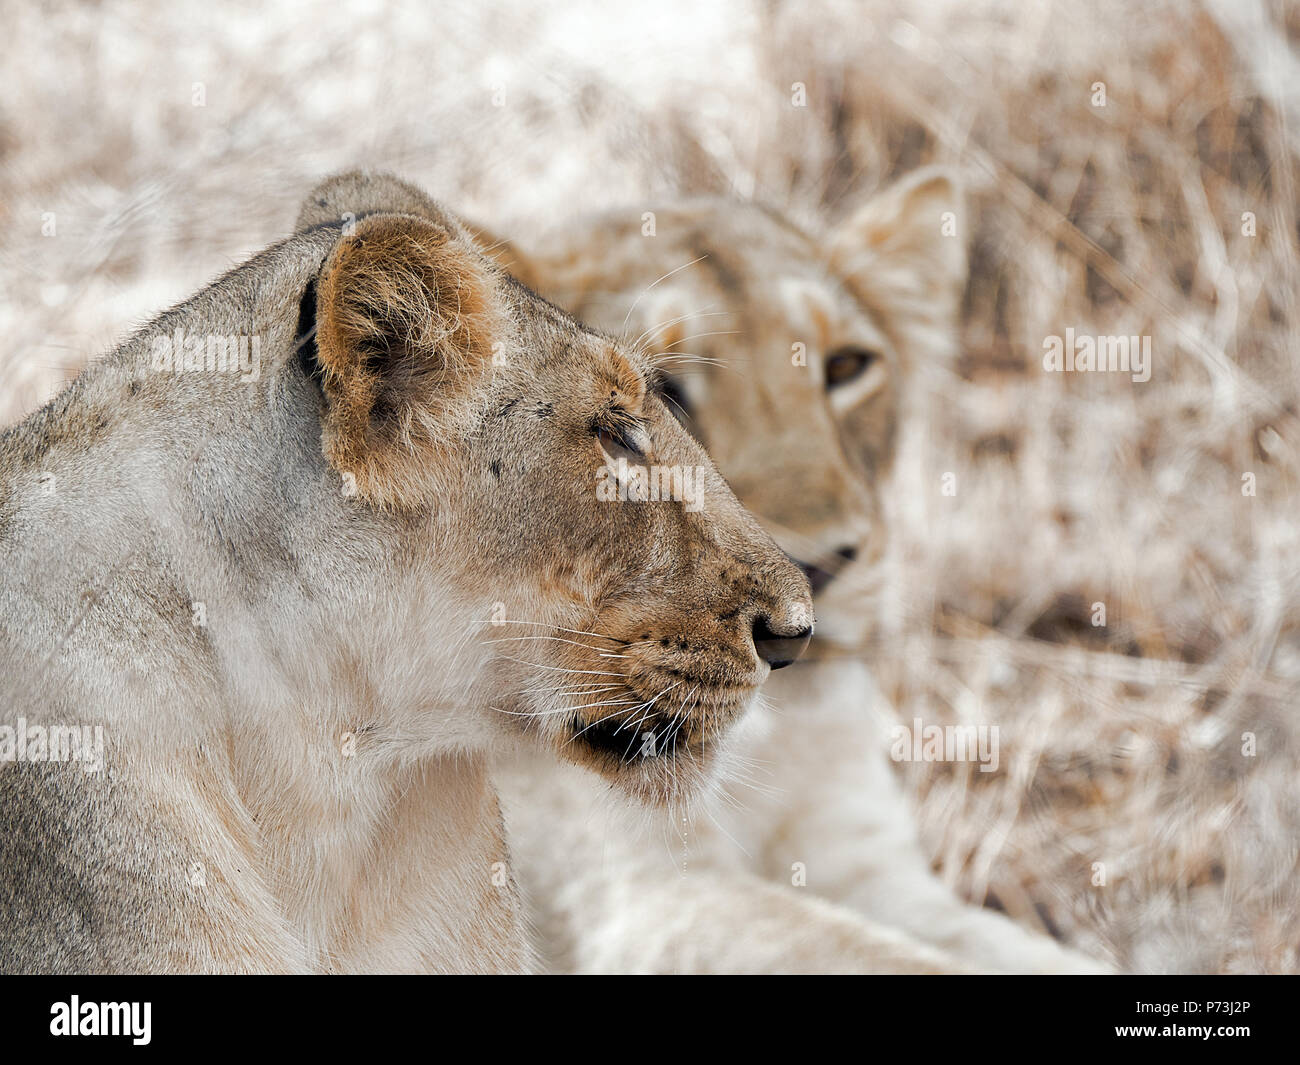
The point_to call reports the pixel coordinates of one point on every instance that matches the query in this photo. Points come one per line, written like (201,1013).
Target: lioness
(259,550)
(797,359)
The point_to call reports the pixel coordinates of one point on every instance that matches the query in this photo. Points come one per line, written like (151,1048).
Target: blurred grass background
(146,148)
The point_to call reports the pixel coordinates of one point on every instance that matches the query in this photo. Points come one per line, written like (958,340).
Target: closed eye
(627,444)
(845,365)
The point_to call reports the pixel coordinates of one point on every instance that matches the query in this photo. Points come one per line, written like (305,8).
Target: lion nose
(778,649)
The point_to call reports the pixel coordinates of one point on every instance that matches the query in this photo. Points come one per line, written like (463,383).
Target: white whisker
(645,291)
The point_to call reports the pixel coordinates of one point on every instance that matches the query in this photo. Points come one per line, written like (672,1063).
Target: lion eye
(620,445)
(848,364)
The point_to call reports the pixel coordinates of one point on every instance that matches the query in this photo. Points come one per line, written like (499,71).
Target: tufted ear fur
(354,194)
(406,316)
(907,257)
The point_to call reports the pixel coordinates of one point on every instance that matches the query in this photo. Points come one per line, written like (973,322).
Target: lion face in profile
(636,606)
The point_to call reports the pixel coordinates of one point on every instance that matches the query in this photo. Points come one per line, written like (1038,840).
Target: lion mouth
(631,741)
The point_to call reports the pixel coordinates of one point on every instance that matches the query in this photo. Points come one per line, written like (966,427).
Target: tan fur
(678,674)
(406,325)
(393,537)
(720,296)
(727,297)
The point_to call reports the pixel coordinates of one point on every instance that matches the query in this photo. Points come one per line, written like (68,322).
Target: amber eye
(848,364)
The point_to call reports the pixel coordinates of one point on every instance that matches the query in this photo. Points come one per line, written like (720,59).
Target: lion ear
(905,251)
(344,198)
(407,314)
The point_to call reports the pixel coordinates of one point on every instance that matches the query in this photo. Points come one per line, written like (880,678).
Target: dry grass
(1123,743)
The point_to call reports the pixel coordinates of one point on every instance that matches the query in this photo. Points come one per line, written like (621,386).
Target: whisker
(567,709)
(559,639)
(703,313)
(686,356)
(557,628)
(565,669)
(645,291)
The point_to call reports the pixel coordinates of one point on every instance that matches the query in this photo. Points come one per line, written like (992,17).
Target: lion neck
(331,763)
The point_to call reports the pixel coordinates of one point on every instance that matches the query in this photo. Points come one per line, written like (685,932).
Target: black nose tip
(819,576)
(776,650)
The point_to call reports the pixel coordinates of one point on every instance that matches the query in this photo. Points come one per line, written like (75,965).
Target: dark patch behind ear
(304,336)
